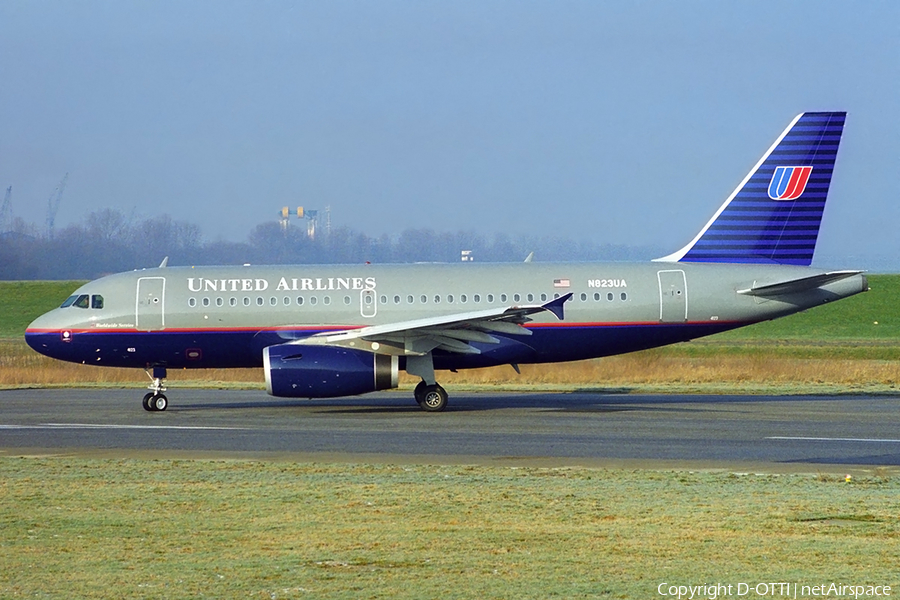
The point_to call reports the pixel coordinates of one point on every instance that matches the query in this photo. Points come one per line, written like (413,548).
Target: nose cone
(48,335)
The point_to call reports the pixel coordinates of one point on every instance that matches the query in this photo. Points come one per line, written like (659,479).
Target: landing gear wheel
(156,402)
(434,398)
(419,392)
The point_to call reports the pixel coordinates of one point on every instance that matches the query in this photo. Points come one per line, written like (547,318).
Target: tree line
(109,241)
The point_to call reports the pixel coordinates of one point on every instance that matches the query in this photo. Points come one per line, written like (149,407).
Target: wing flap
(453,333)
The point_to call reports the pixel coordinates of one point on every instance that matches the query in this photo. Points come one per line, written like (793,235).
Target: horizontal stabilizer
(795,286)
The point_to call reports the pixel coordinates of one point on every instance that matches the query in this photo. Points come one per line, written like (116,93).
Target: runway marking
(834,439)
(112,426)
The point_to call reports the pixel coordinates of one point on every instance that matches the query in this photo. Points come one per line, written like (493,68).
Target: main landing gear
(432,398)
(429,395)
(155,400)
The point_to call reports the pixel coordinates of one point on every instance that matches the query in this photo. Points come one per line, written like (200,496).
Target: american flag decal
(561,283)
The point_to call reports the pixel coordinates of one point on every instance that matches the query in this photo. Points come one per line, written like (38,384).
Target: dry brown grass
(659,367)
(20,366)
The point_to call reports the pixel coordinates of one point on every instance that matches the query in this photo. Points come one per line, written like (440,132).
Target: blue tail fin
(774,214)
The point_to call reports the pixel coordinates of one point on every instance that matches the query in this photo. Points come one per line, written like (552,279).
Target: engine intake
(298,371)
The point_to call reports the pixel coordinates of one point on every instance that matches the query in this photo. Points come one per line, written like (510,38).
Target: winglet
(164,262)
(556,306)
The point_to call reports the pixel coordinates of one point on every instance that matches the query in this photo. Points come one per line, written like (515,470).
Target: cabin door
(150,304)
(672,297)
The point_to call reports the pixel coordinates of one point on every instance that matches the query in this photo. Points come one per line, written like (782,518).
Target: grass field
(230,529)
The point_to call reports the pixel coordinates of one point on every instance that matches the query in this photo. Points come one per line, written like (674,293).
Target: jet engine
(299,371)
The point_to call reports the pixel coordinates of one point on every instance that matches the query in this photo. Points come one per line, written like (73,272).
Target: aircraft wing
(453,333)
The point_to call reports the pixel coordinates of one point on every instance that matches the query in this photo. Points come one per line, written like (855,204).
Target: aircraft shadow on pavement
(579,400)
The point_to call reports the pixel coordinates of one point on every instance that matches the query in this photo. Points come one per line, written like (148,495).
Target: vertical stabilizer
(774,214)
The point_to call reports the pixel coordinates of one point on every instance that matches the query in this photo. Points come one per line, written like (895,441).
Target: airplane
(342,330)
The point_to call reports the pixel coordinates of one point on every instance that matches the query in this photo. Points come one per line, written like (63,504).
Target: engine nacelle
(298,371)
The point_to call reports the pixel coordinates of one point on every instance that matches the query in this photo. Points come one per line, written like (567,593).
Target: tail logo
(788,183)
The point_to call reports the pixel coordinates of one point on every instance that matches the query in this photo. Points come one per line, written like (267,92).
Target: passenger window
(313,300)
(206,302)
(232,301)
(260,301)
(299,300)
(396,299)
(286,301)
(96,301)
(383,299)
(220,302)
(347,300)
(82,301)
(424,299)
(450,298)
(624,296)
(596,295)
(583,297)
(476,298)
(609,297)
(531,297)
(327,300)
(437,299)
(192,302)
(516,297)
(463,298)
(246,300)
(543,297)
(410,299)
(490,298)
(502,297)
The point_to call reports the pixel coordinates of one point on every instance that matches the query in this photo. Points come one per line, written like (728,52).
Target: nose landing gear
(155,400)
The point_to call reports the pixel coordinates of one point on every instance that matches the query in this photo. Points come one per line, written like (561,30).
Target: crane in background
(53,205)
(6,211)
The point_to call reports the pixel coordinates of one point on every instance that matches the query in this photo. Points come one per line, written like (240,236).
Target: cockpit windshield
(83,301)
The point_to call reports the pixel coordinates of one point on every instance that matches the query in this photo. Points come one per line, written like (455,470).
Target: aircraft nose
(43,335)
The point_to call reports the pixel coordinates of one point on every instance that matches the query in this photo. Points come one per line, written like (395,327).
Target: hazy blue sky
(625,122)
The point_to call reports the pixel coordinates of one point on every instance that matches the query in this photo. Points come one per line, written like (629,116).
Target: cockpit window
(83,301)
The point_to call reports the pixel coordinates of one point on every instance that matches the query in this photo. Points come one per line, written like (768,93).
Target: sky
(609,122)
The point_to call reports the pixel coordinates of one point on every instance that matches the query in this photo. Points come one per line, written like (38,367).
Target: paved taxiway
(540,428)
